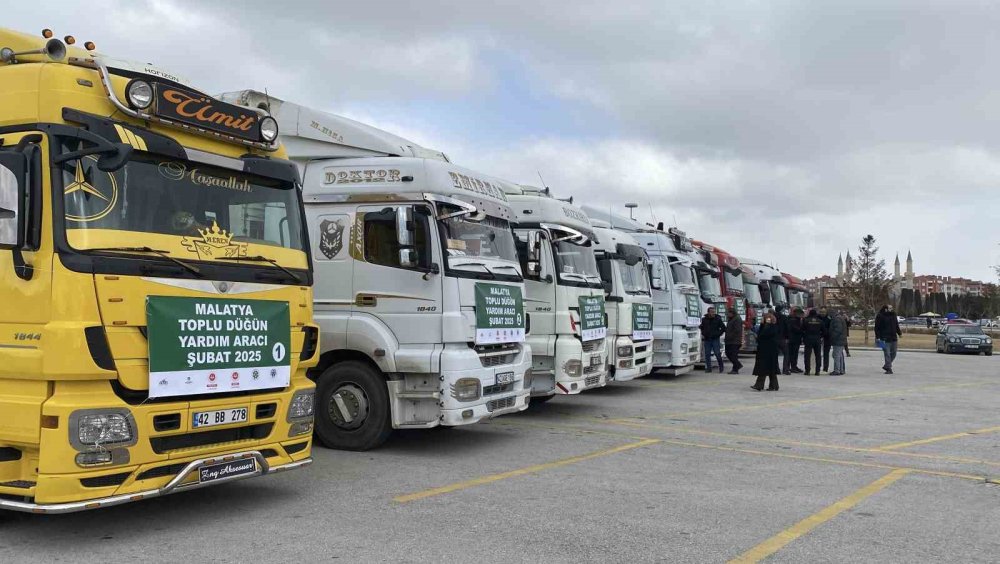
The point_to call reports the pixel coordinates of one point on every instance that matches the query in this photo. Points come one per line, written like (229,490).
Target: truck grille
(502,403)
(497,389)
(592,381)
(496,355)
(162,445)
(593,346)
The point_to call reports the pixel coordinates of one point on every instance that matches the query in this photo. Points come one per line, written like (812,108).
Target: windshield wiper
(575,274)
(165,254)
(271,261)
(491,273)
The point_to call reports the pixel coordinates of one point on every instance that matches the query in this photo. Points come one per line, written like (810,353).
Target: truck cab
(772,283)
(729,277)
(624,269)
(419,292)
(755,308)
(798,294)
(564,294)
(156,285)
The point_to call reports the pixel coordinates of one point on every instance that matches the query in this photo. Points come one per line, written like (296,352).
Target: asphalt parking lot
(697,468)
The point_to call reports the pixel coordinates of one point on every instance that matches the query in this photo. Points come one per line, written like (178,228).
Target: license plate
(972,346)
(596,360)
(227,470)
(219,417)
(504,378)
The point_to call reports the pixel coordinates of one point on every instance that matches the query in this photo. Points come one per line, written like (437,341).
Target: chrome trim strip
(18,347)
(172,486)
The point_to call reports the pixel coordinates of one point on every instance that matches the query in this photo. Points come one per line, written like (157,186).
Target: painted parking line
(782,539)
(930,440)
(489,479)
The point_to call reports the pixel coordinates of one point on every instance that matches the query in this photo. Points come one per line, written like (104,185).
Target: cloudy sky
(785,131)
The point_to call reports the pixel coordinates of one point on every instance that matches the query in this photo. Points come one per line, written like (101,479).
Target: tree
(918,305)
(867,289)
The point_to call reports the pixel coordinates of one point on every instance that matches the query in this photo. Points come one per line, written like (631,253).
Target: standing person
(847,346)
(766,362)
(888,331)
(781,323)
(928,322)
(838,339)
(825,317)
(712,330)
(734,339)
(791,364)
(813,335)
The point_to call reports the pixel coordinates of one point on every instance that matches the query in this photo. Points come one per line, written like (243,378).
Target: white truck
(565,297)
(419,293)
(772,283)
(624,269)
(676,305)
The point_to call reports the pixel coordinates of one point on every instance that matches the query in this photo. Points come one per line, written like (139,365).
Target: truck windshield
(189,210)
(576,264)
(733,281)
(682,274)
(709,284)
(797,298)
(635,280)
(752,292)
(490,238)
(778,294)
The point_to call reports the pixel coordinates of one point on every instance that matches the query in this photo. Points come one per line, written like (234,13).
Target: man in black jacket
(781,322)
(814,332)
(887,330)
(734,339)
(791,363)
(827,344)
(712,330)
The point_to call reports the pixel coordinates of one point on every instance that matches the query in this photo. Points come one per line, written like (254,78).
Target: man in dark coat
(813,334)
(838,339)
(781,332)
(791,363)
(888,331)
(734,339)
(826,339)
(712,330)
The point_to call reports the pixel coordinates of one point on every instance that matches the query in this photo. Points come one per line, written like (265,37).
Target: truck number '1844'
(27,336)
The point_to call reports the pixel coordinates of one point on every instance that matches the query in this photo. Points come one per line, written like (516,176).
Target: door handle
(366,300)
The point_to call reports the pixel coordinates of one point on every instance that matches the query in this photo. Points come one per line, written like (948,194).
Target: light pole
(631,206)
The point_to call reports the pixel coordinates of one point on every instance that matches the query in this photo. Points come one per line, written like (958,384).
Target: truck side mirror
(13,187)
(408,257)
(404,226)
(657,283)
(534,246)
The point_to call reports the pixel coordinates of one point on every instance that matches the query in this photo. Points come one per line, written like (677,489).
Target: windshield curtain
(490,238)
(214,209)
(778,294)
(682,274)
(576,264)
(733,281)
(634,278)
(709,284)
(752,292)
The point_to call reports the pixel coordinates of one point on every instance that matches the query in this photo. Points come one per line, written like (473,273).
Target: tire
(989,353)
(364,392)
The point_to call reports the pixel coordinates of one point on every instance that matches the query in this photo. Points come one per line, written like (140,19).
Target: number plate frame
(504,378)
(229,415)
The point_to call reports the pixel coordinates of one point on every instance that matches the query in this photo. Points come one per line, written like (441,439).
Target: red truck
(798,295)
(730,278)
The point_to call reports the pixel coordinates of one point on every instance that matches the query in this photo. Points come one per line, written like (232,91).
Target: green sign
(499,314)
(642,322)
(741,308)
(693,305)
(592,325)
(211,345)
(721,308)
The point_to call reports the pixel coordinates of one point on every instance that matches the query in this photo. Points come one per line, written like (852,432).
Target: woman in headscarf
(766,364)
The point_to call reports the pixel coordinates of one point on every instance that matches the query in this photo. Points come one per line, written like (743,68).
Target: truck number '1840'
(426,308)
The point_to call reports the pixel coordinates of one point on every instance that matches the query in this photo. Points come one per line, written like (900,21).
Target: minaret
(896,277)
(849,265)
(840,266)
(910,277)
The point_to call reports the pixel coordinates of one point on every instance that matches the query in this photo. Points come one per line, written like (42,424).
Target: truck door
(397,275)
(333,291)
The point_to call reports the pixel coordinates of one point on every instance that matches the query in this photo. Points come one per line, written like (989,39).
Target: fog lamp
(300,428)
(139,94)
(269,129)
(93,458)
(624,364)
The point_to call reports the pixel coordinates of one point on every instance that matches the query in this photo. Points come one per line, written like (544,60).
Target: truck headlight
(624,350)
(139,94)
(684,348)
(465,389)
(573,367)
(269,129)
(94,428)
(302,405)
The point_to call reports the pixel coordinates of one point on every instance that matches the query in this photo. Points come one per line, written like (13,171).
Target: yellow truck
(155,285)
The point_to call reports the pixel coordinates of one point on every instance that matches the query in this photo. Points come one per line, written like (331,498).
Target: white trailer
(624,268)
(419,293)
(565,297)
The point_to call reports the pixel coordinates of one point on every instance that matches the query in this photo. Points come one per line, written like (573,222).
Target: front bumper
(962,348)
(494,406)
(181,482)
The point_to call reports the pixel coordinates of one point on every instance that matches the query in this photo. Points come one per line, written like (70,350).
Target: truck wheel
(352,407)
